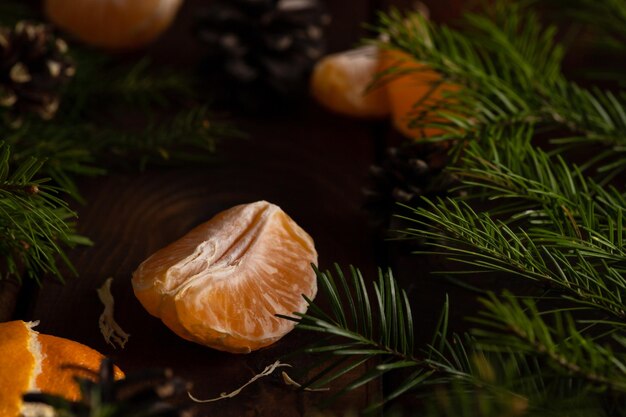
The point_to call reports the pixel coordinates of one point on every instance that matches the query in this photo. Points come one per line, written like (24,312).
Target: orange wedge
(411,94)
(30,361)
(222,284)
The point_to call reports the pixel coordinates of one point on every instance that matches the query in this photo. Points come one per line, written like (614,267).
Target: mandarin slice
(340,81)
(113,24)
(411,94)
(222,284)
(30,361)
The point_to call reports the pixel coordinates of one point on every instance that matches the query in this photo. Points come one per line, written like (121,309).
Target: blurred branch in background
(70,111)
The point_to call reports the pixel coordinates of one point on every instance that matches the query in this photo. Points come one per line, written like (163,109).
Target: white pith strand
(31,409)
(35,348)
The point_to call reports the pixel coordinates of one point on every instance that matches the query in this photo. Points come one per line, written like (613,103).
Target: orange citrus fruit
(340,83)
(30,361)
(222,284)
(411,94)
(113,24)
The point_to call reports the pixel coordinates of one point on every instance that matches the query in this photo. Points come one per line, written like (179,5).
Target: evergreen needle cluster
(112,114)
(84,138)
(541,161)
(507,67)
(603,23)
(35,223)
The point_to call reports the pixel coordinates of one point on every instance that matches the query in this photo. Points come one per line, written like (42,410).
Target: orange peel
(34,362)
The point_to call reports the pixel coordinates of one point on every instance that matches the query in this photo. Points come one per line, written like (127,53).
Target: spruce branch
(507,66)
(531,184)
(381,327)
(364,327)
(86,138)
(482,243)
(67,153)
(547,221)
(513,325)
(90,130)
(562,343)
(84,148)
(606,18)
(190,136)
(499,381)
(141,84)
(35,224)
(100,80)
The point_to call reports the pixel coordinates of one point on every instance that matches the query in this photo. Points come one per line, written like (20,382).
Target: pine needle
(112,332)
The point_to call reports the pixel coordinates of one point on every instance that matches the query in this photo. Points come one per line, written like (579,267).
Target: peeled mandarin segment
(340,81)
(17,364)
(407,90)
(114,24)
(223,283)
(62,361)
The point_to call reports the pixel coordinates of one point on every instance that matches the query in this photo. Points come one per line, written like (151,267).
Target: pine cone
(262,51)
(34,65)
(144,393)
(407,173)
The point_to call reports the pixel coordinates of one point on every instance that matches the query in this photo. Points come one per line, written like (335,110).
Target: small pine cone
(263,50)
(34,66)
(404,176)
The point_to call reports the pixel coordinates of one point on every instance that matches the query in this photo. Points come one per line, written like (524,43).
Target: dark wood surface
(311,163)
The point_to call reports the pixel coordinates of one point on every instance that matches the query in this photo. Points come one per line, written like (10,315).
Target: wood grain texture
(131,216)
(311,163)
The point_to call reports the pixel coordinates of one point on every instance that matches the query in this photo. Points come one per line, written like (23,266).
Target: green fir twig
(507,66)
(530,369)
(522,211)
(35,225)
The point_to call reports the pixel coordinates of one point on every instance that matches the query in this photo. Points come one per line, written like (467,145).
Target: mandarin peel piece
(224,282)
(289,381)
(16,340)
(111,331)
(31,361)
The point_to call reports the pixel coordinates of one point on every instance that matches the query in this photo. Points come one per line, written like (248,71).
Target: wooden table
(313,164)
